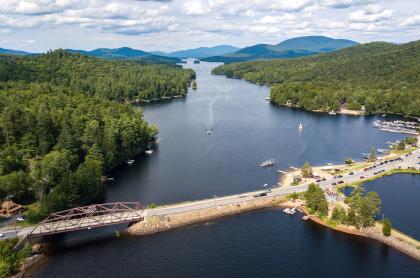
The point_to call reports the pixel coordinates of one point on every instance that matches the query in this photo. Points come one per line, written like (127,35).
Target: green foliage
(364,207)
(339,214)
(316,200)
(307,170)
(115,80)
(372,155)
(380,76)
(10,259)
(61,126)
(349,161)
(387,227)
(400,146)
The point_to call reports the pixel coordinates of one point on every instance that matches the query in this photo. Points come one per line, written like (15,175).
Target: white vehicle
(21,218)
(1,235)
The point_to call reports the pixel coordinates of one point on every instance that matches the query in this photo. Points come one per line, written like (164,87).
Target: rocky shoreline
(397,240)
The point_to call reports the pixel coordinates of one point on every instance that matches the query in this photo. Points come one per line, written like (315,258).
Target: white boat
(130,161)
(209,132)
(267,98)
(332,112)
(148,152)
(300,126)
(111,179)
(289,211)
(383,115)
(268,163)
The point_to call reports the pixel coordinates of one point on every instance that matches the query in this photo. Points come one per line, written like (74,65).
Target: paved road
(411,160)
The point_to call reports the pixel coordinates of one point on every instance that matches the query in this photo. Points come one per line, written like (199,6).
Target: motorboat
(332,112)
(300,126)
(148,152)
(130,161)
(268,163)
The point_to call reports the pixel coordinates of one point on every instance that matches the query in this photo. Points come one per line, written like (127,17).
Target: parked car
(340,182)
(351,173)
(1,235)
(362,177)
(21,218)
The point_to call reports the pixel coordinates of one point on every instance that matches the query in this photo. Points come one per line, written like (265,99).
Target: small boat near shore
(148,152)
(268,163)
(130,161)
(290,211)
(332,112)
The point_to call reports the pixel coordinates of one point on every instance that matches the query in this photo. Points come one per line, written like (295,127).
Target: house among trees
(9,208)
(331,195)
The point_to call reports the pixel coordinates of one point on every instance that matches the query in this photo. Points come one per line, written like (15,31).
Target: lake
(189,164)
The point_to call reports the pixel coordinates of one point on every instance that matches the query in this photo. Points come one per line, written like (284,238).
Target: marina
(398,126)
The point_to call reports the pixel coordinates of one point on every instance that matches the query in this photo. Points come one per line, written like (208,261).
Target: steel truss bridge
(88,217)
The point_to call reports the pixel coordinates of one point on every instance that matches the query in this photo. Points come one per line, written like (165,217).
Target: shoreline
(397,240)
(346,111)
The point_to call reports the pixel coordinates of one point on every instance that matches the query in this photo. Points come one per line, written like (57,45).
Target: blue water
(188,164)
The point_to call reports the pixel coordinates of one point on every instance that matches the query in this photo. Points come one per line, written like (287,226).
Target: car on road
(362,177)
(1,235)
(260,195)
(351,173)
(334,183)
(340,182)
(21,218)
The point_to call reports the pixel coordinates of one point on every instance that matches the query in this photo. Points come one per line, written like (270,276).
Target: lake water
(400,201)
(189,164)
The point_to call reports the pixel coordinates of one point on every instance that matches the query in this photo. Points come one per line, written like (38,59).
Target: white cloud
(344,4)
(412,21)
(195,7)
(372,13)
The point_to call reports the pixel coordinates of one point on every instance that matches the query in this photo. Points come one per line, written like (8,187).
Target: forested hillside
(380,76)
(115,80)
(60,129)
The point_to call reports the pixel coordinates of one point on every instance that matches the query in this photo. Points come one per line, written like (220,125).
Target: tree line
(382,77)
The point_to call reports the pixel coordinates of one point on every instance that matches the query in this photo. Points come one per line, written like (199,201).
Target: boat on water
(130,161)
(268,163)
(209,132)
(290,211)
(267,98)
(148,152)
(300,126)
(305,217)
(332,112)
(110,179)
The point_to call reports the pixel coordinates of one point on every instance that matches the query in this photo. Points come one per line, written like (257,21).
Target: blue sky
(39,25)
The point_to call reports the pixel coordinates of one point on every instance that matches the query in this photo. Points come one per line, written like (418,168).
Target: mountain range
(200,52)
(291,48)
(13,52)
(127,53)
(296,47)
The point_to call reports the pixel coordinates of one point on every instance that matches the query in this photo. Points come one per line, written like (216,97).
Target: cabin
(331,195)
(8,208)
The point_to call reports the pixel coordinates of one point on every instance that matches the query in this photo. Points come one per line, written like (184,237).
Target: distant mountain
(291,48)
(13,52)
(200,52)
(127,53)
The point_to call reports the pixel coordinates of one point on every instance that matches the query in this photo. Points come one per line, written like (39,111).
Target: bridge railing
(88,217)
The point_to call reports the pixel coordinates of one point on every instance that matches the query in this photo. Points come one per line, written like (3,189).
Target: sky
(40,25)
